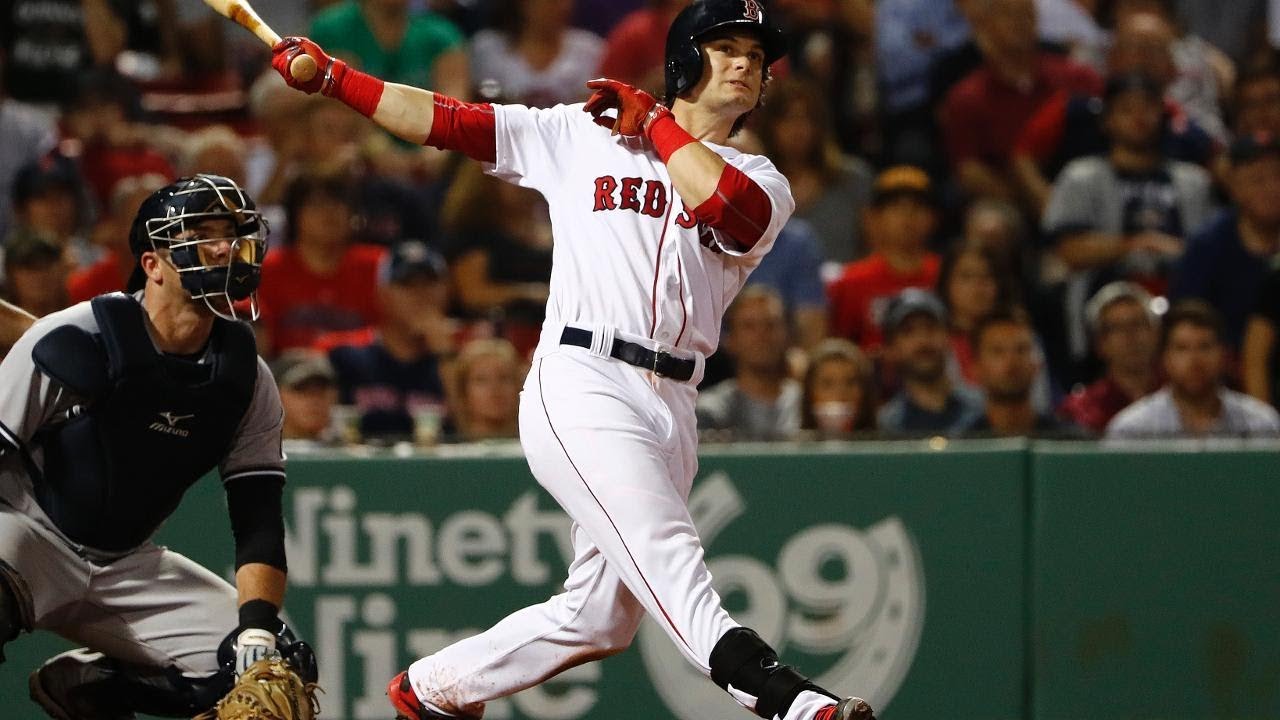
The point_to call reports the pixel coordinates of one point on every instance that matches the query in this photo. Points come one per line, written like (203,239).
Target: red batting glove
(333,77)
(328,68)
(636,109)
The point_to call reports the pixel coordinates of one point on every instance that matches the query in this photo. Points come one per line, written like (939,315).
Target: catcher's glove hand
(268,690)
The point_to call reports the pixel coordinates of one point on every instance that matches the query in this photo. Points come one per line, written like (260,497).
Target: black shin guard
(745,661)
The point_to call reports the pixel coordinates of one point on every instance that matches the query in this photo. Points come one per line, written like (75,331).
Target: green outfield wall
(973,580)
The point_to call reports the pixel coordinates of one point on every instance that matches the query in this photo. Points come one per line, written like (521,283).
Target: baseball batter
(109,411)
(657,225)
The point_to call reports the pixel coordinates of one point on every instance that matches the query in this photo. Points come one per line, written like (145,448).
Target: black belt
(663,364)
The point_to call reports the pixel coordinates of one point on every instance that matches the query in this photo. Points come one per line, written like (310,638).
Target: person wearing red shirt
(901,217)
(635,50)
(1125,332)
(321,282)
(985,112)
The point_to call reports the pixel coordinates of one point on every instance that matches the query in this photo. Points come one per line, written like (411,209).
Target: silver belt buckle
(658,355)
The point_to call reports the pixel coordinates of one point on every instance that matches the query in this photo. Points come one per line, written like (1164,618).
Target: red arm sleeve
(739,208)
(469,128)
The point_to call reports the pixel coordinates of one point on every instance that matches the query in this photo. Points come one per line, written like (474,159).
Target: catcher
(109,411)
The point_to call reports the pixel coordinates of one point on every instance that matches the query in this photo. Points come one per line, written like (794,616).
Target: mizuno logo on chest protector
(170,424)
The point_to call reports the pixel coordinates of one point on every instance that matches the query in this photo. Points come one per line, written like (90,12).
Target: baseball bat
(302,68)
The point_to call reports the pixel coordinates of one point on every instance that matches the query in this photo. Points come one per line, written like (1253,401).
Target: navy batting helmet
(175,218)
(700,19)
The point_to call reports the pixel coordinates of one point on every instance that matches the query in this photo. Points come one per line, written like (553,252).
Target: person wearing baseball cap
(918,348)
(308,391)
(901,218)
(392,375)
(1228,258)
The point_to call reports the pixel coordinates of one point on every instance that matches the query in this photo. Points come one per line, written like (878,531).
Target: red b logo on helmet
(751,10)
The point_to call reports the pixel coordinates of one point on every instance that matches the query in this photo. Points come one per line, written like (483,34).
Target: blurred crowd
(1048,218)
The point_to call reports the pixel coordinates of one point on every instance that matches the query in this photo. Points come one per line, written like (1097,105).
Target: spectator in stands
(635,52)
(48,199)
(1070,126)
(393,376)
(320,281)
(900,220)
(1228,257)
(25,136)
(793,268)
(1259,357)
(49,44)
(111,234)
(1007,361)
(35,273)
(760,402)
(532,56)
(972,283)
(601,16)
(916,347)
(1194,401)
(830,189)
(1123,215)
(839,391)
(387,39)
(487,378)
(308,393)
(910,37)
(1125,332)
(216,150)
(1203,73)
(499,253)
(99,128)
(988,109)
(1256,103)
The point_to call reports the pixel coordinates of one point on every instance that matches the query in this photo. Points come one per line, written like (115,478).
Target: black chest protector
(152,424)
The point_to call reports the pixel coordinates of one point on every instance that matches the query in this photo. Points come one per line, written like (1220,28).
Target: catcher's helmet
(694,23)
(177,218)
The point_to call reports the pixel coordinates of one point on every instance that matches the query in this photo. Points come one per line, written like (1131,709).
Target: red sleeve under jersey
(739,208)
(468,128)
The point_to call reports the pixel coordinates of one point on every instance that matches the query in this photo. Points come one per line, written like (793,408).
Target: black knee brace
(745,661)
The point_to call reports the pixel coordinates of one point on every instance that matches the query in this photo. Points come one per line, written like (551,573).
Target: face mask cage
(220,268)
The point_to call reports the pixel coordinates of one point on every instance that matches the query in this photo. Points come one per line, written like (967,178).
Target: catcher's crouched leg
(84,685)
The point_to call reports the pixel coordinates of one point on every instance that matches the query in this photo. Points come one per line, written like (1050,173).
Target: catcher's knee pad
(83,685)
(742,659)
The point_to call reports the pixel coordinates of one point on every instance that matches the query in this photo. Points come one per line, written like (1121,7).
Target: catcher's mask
(215,238)
(297,653)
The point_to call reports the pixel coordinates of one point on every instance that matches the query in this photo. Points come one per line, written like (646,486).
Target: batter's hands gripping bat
(303,67)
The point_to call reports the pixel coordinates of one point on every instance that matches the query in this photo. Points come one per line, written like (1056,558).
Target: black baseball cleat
(49,689)
(850,708)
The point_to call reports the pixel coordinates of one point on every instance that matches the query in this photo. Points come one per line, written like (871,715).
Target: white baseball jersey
(628,252)
(615,445)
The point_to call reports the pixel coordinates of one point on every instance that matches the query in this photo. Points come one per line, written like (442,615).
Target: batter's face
(732,74)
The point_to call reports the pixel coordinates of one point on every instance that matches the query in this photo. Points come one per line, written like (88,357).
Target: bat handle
(303,68)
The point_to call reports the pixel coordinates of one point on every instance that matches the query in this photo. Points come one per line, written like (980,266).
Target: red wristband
(667,136)
(359,90)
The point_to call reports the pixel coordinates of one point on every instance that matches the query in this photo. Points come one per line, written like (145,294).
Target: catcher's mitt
(268,690)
